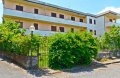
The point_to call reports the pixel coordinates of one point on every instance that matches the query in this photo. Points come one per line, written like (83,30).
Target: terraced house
(48,18)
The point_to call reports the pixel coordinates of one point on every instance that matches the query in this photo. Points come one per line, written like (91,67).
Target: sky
(88,6)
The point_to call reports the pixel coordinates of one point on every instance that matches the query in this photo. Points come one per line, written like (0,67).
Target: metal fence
(43,55)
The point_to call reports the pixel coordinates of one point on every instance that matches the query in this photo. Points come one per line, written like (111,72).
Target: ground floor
(46,27)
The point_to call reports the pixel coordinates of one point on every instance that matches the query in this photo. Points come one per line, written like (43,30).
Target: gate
(43,54)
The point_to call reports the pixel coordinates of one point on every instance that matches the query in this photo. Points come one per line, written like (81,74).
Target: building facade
(48,19)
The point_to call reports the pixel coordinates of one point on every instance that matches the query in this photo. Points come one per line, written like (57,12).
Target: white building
(48,18)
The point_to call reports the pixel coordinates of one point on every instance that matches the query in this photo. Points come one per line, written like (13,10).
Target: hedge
(70,49)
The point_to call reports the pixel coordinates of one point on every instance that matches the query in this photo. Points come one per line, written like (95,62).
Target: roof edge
(109,11)
(59,7)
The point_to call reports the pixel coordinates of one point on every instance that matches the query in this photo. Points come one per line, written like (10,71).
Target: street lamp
(32,29)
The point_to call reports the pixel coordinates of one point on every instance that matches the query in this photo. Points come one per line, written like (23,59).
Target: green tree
(14,40)
(8,31)
(111,40)
(70,49)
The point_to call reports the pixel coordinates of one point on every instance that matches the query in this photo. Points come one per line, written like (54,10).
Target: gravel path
(10,70)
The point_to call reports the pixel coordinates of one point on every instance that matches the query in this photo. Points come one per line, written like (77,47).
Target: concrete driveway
(110,69)
(97,70)
(10,70)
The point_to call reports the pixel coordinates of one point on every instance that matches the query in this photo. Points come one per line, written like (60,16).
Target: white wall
(91,26)
(100,25)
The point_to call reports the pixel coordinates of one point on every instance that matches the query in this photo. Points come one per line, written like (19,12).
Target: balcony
(112,23)
(39,32)
(21,14)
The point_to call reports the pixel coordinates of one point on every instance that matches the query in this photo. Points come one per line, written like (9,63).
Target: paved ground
(97,70)
(9,70)
(109,71)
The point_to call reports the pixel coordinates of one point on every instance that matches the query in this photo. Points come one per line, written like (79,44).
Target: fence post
(38,49)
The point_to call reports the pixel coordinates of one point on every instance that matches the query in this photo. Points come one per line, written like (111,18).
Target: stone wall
(108,54)
(21,60)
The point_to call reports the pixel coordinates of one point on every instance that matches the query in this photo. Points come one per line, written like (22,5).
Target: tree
(14,40)
(111,40)
(70,49)
(10,30)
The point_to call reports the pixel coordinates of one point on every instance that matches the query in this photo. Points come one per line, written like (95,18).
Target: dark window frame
(81,20)
(91,31)
(36,26)
(36,11)
(90,21)
(110,20)
(19,7)
(94,32)
(54,14)
(94,21)
(53,28)
(73,18)
(61,16)
(62,29)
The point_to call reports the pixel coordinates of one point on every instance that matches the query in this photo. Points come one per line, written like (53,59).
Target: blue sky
(89,6)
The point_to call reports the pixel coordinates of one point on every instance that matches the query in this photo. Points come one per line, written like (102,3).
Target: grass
(104,59)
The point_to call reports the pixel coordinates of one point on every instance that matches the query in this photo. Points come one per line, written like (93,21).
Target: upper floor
(39,8)
(110,18)
(41,11)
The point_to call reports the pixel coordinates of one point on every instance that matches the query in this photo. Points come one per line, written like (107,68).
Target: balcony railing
(111,24)
(27,15)
(43,33)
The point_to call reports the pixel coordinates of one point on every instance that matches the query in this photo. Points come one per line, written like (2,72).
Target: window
(90,21)
(36,11)
(94,32)
(61,29)
(94,21)
(61,16)
(3,20)
(36,26)
(53,28)
(73,18)
(81,20)
(20,23)
(19,8)
(53,14)
(91,31)
(72,29)
(110,20)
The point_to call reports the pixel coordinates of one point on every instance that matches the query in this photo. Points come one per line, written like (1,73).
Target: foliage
(111,40)
(70,49)
(14,39)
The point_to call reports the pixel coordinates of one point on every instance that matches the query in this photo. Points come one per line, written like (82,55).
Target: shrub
(111,40)
(14,40)
(70,49)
